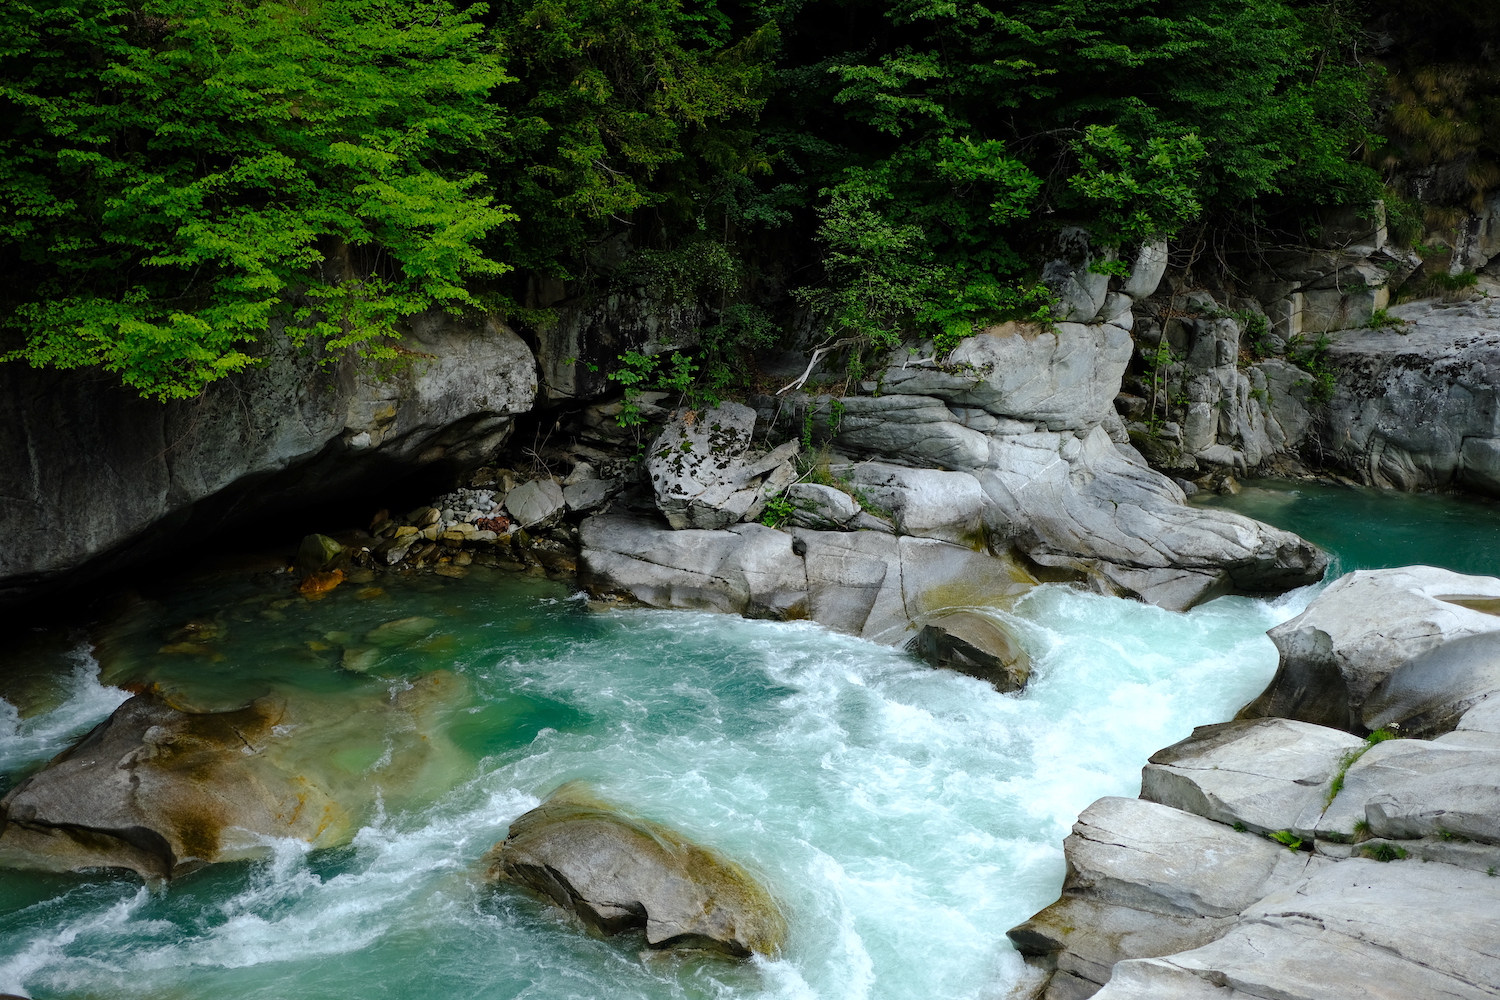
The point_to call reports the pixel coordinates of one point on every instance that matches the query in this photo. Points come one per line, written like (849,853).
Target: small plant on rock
(1290,840)
(1386,852)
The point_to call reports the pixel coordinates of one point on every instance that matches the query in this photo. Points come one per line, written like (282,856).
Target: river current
(905,817)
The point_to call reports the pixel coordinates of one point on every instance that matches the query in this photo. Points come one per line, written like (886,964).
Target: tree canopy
(179,174)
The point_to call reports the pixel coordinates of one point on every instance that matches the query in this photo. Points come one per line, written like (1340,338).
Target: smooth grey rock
(1357,633)
(1149,267)
(925,502)
(858,582)
(820,507)
(918,430)
(1267,774)
(975,644)
(749,570)
(589,494)
(93,478)
(703,473)
(617,872)
(536,505)
(1356,929)
(1484,716)
(1431,692)
(1065,376)
(1146,880)
(1089,505)
(1409,789)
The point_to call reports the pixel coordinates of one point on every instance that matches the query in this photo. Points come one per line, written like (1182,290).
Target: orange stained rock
(316,585)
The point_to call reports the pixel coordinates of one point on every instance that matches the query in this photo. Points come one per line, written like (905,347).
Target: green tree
(176,174)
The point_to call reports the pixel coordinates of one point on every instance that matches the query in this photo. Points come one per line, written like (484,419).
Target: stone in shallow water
(160,791)
(616,872)
(976,645)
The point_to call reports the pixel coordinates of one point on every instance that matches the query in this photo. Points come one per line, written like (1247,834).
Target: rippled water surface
(904,816)
(1377,529)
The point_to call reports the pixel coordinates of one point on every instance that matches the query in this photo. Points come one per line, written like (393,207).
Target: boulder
(821,508)
(616,872)
(862,583)
(589,494)
(1353,659)
(536,505)
(704,473)
(1088,505)
(926,502)
(1146,880)
(298,426)
(1064,376)
(159,790)
(974,644)
(1264,774)
(1353,929)
(318,553)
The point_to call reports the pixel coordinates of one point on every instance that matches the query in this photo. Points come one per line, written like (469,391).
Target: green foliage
(971,130)
(1287,838)
(702,376)
(1382,318)
(1313,358)
(175,176)
(627,115)
(778,509)
(1385,852)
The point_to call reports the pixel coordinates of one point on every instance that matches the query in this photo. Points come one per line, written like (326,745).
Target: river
(904,817)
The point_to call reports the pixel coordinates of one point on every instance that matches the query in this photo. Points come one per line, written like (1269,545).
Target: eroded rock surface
(704,473)
(616,872)
(92,476)
(1396,647)
(1272,858)
(863,583)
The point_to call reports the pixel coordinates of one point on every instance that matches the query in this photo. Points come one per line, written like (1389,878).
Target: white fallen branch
(814,363)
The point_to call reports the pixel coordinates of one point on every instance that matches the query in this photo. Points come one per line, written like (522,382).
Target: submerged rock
(974,644)
(616,872)
(160,791)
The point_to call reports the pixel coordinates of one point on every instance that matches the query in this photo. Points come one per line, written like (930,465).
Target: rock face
(1146,880)
(1418,405)
(615,872)
(92,476)
(1414,405)
(161,791)
(1380,648)
(1266,775)
(1206,887)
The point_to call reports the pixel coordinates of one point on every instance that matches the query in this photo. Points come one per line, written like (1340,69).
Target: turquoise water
(904,816)
(1377,529)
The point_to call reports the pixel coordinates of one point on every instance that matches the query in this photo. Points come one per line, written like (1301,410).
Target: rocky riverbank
(1272,857)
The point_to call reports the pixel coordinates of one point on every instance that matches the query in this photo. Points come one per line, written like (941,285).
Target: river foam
(905,817)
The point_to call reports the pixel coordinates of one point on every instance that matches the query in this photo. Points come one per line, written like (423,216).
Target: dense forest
(179,176)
